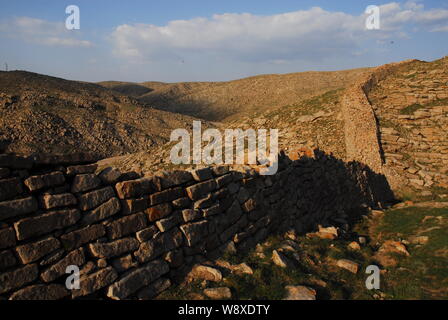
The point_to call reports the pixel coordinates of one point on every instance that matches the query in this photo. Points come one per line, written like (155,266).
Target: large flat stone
(199,190)
(92,199)
(18,278)
(95,281)
(34,251)
(46,223)
(159,211)
(126,225)
(41,292)
(134,205)
(195,231)
(51,201)
(137,279)
(14,208)
(166,196)
(76,257)
(82,236)
(136,188)
(161,243)
(104,211)
(114,248)
(35,183)
(85,182)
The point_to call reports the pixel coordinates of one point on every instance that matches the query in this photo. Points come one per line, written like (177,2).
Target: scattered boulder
(242,268)
(354,246)
(218,293)
(348,265)
(329,233)
(201,272)
(280,260)
(384,257)
(300,293)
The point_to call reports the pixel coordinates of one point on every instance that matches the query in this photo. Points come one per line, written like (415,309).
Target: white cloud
(301,35)
(42,32)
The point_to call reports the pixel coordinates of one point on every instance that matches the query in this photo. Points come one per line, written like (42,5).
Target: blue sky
(214,40)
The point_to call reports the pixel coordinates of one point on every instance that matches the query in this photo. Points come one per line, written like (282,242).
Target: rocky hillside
(50,115)
(230,100)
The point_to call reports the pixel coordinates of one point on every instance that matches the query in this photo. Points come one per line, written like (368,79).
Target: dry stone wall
(412,108)
(133,237)
(361,130)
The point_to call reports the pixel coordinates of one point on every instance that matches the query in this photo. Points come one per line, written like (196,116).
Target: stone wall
(412,108)
(133,237)
(361,130)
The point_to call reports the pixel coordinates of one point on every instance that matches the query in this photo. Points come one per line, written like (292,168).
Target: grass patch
(411,109)
(423,275)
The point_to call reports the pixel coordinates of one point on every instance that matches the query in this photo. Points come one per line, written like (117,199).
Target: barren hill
(221,101)
(44,114)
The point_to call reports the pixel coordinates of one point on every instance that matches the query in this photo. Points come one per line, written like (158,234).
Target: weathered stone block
(55,271)
(51,201)
(136,188)
(18,278)
(80,237)
(202,174)
(204,202)
(146,234)
(35,183)
(175,178)
(199,190)
(224,180)
(170,222)
(161,243)
(85,182)
(10,188)
(134,205)
(110,175)
(191,215)
(154,289)
(181,203)
(36,226)
(95,281)
(7,238)
(137,279)
(88,168)
(34,251)
(175,258)
(127,225)
(104,211)
(124,263)
(90,200)
(159,211)
(166,196)
(113,249)
(41,292)
(14,208)
(7,259)
(195,231)
(220,170)
(216,209)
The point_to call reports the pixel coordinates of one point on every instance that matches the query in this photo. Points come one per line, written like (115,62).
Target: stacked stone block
(133,237)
